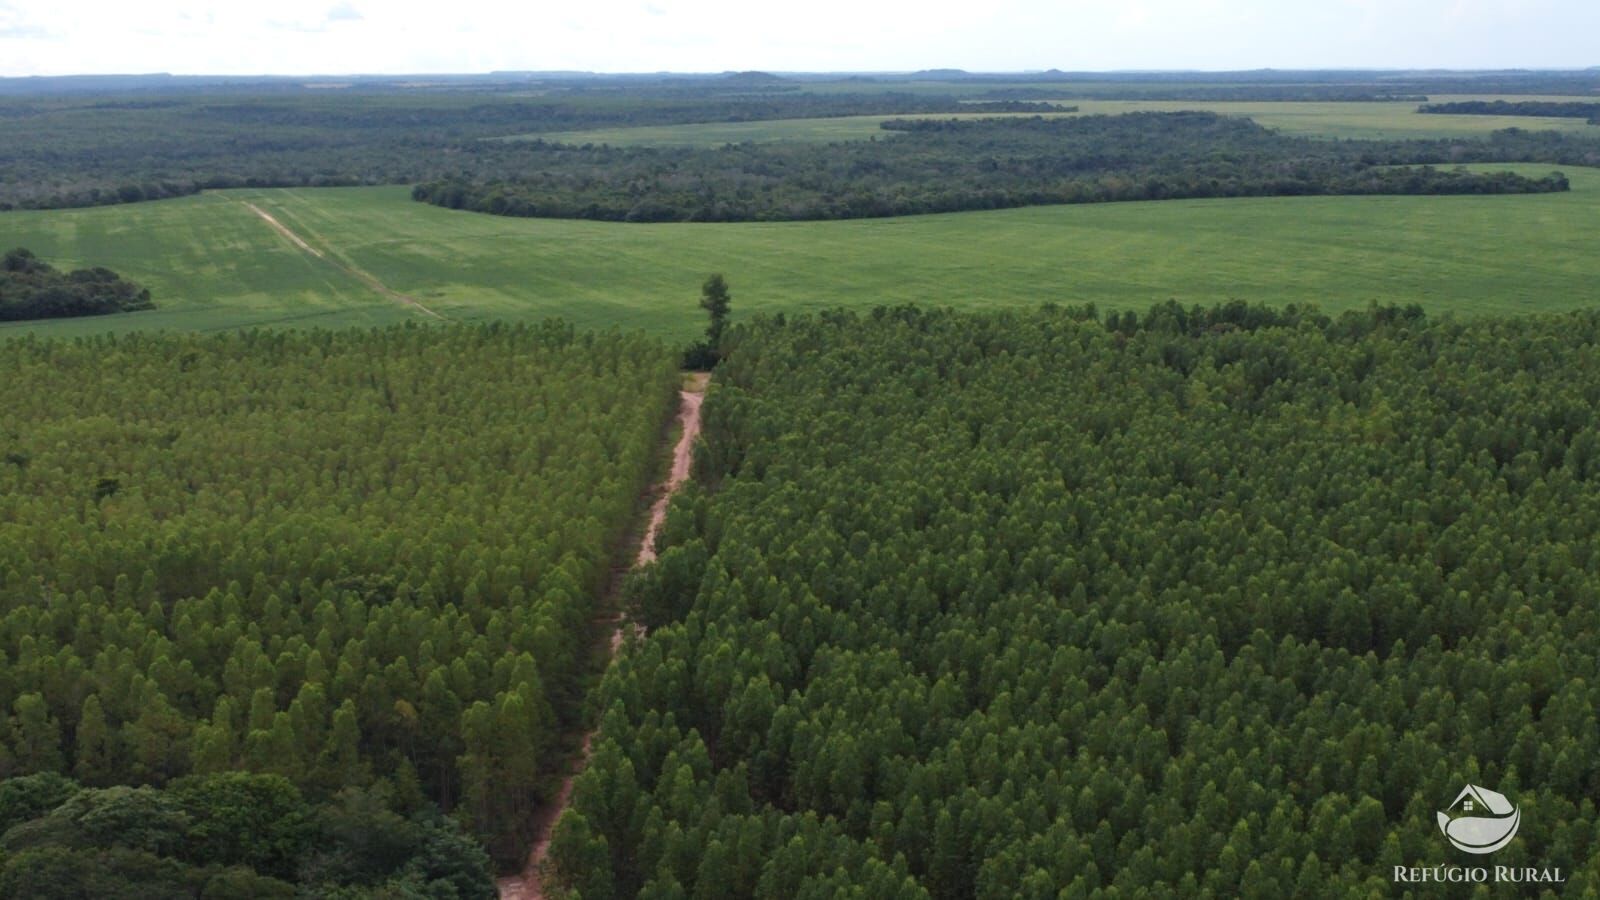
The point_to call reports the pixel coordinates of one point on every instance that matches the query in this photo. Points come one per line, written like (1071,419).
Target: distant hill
(753,77)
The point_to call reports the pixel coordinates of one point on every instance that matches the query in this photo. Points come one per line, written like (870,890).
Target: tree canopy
(936,165)
(1561,109)
(31,288)
(353,559)
(716,300)
(235,835)
(138,145)
(1198,603)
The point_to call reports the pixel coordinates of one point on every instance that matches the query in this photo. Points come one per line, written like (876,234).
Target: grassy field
(212,263)
(1334,120)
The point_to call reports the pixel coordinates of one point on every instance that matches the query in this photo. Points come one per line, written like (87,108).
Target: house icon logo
(1480,820)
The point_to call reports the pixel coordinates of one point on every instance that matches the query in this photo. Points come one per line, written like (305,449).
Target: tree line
(31,288)
(1572,109)
(951,165)
(1219,602)
(96,148)
(123,148)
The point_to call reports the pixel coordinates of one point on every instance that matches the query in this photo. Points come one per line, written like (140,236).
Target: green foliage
(58,873)
(362,841)
(259,822)
(31,289)
(1203,602)
(143,819)
(119,141)
(236,836)
(126,147)
(218,266)
(717,302)
(1547,108)
(35,744)
(581,859)
(334,560)
(27,797)
(938,166)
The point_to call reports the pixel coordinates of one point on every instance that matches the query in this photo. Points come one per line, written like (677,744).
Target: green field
(1330,119)
(211,263)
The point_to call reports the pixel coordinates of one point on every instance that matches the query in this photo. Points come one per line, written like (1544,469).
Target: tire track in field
(529,883)
(359,274)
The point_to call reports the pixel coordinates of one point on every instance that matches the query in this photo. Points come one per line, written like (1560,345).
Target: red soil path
(529,884)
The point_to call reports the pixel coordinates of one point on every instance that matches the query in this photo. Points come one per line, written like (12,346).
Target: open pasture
(213,263)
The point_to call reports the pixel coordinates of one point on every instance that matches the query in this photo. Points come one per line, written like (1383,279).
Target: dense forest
(1199,603)
(99,140)
(1573,109)
(88,151)
(358,560)
(229,836)
(951,165)
(31,288)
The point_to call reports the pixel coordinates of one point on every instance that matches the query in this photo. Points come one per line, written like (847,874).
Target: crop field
(212,263)
(1329,119)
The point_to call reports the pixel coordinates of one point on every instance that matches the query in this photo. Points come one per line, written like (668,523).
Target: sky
(302,37)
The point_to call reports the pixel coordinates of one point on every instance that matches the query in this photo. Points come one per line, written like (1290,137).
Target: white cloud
(341,36)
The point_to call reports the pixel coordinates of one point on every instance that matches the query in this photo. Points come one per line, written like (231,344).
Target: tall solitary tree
(715,299)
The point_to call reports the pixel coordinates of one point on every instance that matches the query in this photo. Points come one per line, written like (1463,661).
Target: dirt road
(689,420)
(361,275)
(529,885)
